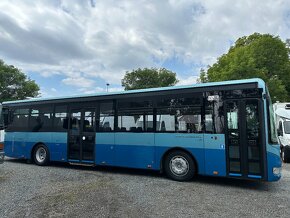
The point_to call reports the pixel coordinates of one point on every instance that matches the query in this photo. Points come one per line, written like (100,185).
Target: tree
(258,55)
(148,78)
(202,76)
(14,85)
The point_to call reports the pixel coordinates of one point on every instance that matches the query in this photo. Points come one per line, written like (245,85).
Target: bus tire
(179,166)
(286,154)
(41,155)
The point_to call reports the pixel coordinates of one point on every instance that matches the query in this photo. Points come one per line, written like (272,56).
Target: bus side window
(60,122)
(214,112)
(165,121)
(19,121)
(135,121)
(35,123)
(179,114)
(209,128)
(40,119)
(106,118)
(135,116)
(187,120)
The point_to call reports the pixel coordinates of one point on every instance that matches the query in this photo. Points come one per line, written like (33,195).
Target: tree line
(15,85)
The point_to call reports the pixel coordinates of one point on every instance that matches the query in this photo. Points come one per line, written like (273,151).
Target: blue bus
(223,129)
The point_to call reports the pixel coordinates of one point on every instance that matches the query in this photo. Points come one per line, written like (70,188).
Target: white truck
(282,112)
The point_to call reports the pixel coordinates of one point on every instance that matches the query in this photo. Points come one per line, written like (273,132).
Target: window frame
(48,128)
(199,96)
(98,115)
(53,120)
(146,110)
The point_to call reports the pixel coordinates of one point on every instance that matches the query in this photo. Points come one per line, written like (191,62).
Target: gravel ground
(61,190)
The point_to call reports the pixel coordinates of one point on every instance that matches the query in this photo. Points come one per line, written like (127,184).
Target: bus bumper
(1,157)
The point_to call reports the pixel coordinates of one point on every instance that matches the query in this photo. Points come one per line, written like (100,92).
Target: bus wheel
(41,155)
(179,166)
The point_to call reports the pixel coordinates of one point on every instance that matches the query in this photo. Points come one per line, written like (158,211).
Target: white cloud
(93,90)
(116,89)
(78,82)
(187,81)
(86,40)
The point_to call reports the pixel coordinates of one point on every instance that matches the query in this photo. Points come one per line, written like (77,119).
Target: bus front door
(81,135)
(244,141)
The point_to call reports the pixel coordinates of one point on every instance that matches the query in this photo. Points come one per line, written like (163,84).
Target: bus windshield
(272,129)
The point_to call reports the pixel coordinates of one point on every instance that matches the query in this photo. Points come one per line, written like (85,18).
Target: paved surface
(61,190)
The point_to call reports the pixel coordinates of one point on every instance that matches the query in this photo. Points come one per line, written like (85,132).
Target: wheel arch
(177,149)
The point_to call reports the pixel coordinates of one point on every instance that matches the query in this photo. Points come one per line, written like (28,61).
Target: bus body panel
(15,145)
(20,144)
(58,148)
(273,161)
(104,149)
(134,150)
(190,142)
(215,155)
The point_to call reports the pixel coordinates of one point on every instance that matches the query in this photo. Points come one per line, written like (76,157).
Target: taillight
(1,146)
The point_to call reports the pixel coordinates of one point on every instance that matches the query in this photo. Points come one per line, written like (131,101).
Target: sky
(72,47)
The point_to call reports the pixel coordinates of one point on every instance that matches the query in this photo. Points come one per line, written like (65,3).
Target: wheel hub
(179,166)
(40,155)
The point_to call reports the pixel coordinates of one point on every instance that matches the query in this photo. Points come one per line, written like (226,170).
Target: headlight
(277,171)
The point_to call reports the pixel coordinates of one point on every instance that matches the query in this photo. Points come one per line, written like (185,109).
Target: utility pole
(108,87)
